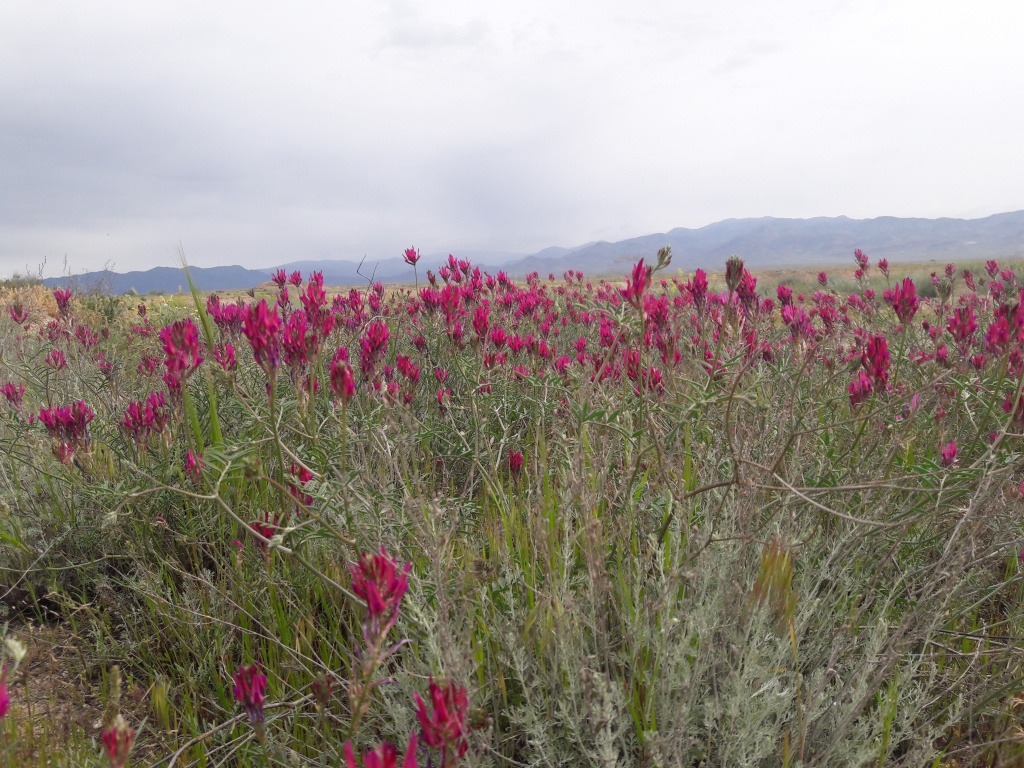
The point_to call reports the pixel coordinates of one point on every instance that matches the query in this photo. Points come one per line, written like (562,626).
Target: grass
(711,554)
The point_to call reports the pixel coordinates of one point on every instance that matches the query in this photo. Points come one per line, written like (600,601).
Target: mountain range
(761,242)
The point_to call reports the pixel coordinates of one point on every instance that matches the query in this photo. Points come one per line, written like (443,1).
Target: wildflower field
(669,520)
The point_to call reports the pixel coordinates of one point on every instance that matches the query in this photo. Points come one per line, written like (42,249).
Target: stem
(272,398)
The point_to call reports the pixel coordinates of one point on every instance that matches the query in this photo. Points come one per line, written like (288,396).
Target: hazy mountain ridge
(762,242)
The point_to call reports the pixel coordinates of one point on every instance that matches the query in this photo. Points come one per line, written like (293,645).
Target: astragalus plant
(666,522)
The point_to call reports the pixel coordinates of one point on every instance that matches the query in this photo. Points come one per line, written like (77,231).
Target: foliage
(560,523)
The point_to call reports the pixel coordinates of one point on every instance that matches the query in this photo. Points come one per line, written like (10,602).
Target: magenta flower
(14,393)
(515,462)
(68,427)
(183,354)
(343,381)
(384,756)
(250,685)
(194,466)
(373,346)
(445,728)
(5,697)
(823,279)
(56,359)
(482,320)
(17,313)
(411,256)
(300,342)
(962,325)
(860,388)
(637,285)
(118,741)
(314,303)
(224,354)
(862,260)
(904,300)
(63,297)
(883,267)
(948,452)
(262,327)
(875,359)
(377,581)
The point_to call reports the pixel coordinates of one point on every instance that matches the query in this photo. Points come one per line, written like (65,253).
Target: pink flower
(883,267)
(411,256)
(637,285)
(181,349)
(300,341)
(373,346)
(17,313)
(962,325)
(875,359)
(734,270)
(5,697)
(68,427)
(376,579)
(194,466)
(343,382)
(823,278)
(481,320)
(224,354)
(445,728)
(860,388)
(515,462)
(250,685)
(904,300)
(262,327)
(384,756)
(56,359)
(118,741)
(14,393)
(63,297)
(948,452)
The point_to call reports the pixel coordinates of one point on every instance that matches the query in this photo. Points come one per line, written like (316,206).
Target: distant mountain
(763,243)
(164,279)
(770,242)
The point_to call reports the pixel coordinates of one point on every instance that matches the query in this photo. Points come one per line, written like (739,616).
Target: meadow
(665,520)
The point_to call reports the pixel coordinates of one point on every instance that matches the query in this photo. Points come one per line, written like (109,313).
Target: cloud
(748,54)
(334,130)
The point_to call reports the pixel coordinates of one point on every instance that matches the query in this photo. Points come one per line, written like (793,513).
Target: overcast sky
(257,133)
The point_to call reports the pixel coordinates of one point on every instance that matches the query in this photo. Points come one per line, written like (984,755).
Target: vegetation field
(666,520)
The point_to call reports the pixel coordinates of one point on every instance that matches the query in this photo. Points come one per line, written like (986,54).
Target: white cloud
(251,132)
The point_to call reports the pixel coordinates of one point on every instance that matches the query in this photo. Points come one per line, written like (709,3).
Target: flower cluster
(373,346)
(384,756)
(249,690)
(182,352)
(63,298)
(14,393)
(262,327)
(343,381)
(118,740)
(904,300)
(143,419)
(68,426)
(445,728)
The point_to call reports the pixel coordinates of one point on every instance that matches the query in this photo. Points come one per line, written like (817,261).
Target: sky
(259,133)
